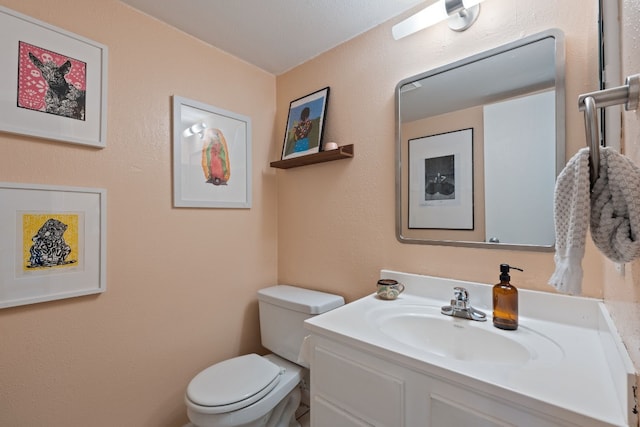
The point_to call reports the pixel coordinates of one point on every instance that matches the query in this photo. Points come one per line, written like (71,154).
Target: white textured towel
(615,207)
(612,209)
(571,217)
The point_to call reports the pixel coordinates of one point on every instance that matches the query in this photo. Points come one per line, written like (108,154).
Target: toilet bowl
(261,391)
(247,391)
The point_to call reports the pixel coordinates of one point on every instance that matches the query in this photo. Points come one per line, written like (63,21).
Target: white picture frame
(54,243)
(211,156)
(73,110)
(441,181)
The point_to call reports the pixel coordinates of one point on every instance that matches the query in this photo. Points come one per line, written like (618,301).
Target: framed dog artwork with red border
(54,82)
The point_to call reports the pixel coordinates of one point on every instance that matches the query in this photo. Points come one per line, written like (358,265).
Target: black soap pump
(505,301)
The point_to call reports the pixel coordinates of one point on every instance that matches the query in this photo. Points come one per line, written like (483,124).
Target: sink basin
(425,328)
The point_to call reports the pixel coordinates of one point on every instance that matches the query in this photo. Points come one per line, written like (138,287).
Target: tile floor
(303,416)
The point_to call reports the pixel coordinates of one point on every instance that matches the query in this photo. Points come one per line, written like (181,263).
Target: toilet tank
(283,310)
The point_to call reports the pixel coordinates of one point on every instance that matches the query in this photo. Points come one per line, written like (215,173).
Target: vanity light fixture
(195,129)
(460,13)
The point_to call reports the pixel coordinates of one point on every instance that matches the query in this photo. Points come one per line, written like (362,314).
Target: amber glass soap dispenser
(505,301)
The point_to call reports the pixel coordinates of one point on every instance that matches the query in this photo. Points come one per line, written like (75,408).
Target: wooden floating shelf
(343,152)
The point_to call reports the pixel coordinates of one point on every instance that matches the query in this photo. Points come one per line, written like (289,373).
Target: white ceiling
(275,35)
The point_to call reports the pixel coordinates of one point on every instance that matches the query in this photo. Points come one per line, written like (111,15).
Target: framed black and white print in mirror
(441,181)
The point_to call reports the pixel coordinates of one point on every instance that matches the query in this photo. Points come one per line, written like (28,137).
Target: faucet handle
(461,298)
(461,294)
(460,306)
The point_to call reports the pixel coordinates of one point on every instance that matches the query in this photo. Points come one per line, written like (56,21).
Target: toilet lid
(234,383)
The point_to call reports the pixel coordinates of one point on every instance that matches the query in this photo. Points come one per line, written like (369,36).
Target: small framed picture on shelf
(305,124)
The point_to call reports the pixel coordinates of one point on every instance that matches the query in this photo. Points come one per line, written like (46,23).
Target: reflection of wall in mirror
(519,160)
(529,167)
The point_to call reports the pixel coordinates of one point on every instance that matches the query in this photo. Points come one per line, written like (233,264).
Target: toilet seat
(234,383)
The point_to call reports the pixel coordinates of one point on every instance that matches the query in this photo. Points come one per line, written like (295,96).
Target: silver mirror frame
(560,134)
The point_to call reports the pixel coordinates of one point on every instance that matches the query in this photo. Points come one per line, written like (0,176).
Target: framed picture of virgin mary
(211,156)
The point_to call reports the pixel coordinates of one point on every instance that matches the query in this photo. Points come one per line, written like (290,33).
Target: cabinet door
(450,414)
(326,414)
(456,405)
(357,387)
(353,388)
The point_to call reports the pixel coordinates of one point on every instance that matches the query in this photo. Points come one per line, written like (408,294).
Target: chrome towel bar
(628,94)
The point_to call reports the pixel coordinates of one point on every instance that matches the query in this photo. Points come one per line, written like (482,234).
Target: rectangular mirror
(479,145)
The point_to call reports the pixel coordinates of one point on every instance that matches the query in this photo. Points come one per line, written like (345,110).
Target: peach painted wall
(336,221)
(181,282)
(622,293)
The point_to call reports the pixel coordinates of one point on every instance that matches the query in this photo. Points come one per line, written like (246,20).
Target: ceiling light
(460,13)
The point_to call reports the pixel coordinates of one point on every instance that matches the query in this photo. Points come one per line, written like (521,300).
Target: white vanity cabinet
(350,388)
(403,363)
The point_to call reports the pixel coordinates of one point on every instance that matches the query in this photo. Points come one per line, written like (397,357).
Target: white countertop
(589,373)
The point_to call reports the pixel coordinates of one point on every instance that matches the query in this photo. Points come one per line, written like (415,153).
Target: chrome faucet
(460,307)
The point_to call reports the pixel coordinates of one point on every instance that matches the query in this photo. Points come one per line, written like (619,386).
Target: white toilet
(261,391)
